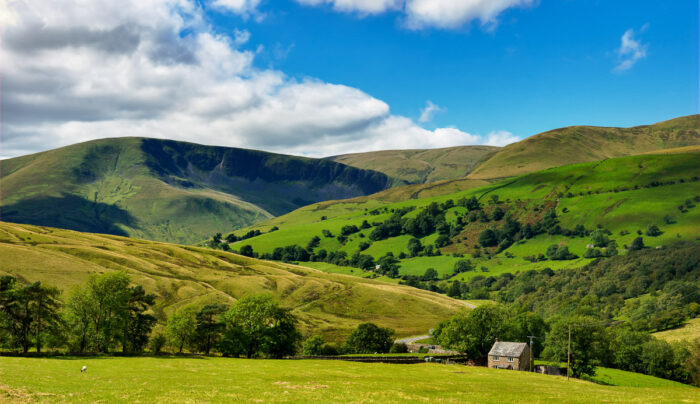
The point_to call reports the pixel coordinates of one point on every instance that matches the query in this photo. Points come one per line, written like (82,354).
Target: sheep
(84,369)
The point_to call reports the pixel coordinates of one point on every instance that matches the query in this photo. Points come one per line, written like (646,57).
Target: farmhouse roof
(502,348)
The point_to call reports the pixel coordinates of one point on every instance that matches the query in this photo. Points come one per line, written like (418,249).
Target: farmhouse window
(510,359)
(496,358)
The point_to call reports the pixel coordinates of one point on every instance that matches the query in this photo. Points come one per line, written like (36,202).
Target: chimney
(496,339)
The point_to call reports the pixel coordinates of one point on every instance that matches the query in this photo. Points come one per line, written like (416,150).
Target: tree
(399,348)
(653,230)
(158,342)
(488,238)
(369,338)
(180,329)
(137,323)
(472,333)
(247,250)
(585,340)
(208,328)
(637,244)
(257,325)
(44,308)
(442,241)
(455,289)
(313,346)
(430,274)
(414,247)
(463,266)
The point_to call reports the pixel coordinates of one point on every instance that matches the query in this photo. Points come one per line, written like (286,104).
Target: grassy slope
(587,143)
(330,304)
(527,197)
(420,166)
(178,380)
(690,331)
(167,191)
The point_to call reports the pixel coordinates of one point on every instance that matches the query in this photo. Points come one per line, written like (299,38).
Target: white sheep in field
(84,369)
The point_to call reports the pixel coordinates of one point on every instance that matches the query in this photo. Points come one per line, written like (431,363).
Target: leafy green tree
(627,347)
(158,341)
(398,348)
(247,250)
(180,329)
(369,338)
(653,230)
(586,337)
(442,241)
(472,333)
(455,290)
(430,274)
(414,247)
(637,244)
(137,323)
(313,346)
(208,328)
(257,325)
(463,266)
(498,213)
(488,238)
(599,238)
(45,310)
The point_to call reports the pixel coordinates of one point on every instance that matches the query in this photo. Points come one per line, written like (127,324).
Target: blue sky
(540,67)
(324,77)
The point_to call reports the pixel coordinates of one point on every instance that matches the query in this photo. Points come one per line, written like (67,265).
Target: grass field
(325,303)
(613,194)
(214,380)
(688,332)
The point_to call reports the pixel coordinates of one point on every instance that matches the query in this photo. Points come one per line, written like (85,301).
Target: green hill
(624,196)
(420,166)
(578,144)
(329,304)
(166,190)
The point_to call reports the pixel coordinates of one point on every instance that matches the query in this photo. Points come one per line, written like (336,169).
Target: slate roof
(502,348)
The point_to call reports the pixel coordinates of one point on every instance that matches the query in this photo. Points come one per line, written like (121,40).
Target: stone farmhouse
(509,355)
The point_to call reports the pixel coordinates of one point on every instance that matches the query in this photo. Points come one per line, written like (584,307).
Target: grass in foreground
(176,380)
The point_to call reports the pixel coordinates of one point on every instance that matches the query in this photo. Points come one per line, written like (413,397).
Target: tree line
(593,343)
(109,314)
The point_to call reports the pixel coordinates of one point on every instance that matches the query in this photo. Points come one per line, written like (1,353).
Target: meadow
(222,380)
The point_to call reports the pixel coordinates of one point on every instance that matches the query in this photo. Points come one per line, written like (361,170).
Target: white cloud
(359,6)
(454,13)
(243,8)
(428,113)
(501,138)
(445,14)
(76,72)
(631,50)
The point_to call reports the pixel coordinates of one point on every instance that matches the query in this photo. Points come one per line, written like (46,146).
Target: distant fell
(420,166)
(579,144)
(166,190)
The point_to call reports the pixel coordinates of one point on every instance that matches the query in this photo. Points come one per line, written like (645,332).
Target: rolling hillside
(421,166)
(624,196)
(168,191)
(578,144)
(329,304)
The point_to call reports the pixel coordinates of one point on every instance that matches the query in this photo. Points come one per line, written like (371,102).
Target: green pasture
(221,380)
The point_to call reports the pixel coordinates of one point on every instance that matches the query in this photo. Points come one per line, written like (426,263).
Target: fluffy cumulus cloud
(631,50)
(445,14)
(154,68)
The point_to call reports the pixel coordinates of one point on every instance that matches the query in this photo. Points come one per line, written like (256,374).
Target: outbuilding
(509,355)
